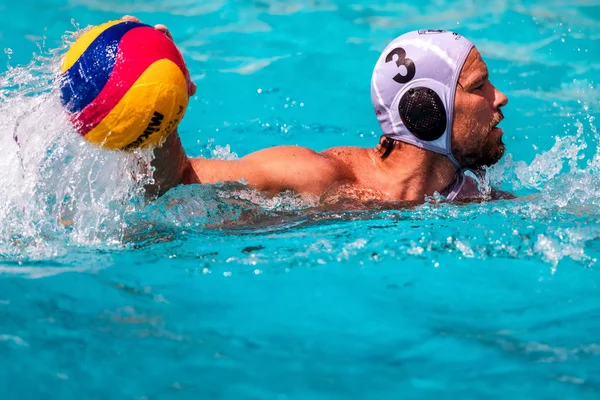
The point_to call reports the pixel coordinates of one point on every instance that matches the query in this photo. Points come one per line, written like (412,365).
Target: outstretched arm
(270,171)
(276,170)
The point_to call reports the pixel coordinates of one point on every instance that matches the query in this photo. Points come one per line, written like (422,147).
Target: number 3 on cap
(402,60)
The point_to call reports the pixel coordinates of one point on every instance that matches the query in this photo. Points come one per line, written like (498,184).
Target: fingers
(159,27)
(163,29)
(129,18)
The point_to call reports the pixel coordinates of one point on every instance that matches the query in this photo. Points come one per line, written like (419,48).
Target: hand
(159,27)
(163,29)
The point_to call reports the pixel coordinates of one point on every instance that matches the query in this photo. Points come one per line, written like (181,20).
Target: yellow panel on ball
(154,105)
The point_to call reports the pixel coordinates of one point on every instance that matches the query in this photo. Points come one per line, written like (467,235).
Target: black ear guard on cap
(423,113)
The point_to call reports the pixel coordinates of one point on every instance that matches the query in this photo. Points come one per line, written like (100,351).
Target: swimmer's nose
(500,99)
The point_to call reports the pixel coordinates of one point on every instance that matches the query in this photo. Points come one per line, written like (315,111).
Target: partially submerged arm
(270,171)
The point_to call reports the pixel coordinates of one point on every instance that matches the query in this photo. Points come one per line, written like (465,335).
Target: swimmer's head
(430,88)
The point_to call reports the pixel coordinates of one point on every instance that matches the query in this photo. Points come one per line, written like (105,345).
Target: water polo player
(439,114)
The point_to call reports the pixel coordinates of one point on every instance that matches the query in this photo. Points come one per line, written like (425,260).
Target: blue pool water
(215,293)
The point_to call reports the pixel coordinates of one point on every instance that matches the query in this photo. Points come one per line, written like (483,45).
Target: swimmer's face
(476,141)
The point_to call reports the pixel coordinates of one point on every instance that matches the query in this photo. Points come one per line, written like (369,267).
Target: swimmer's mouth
(495,126)
(497,131)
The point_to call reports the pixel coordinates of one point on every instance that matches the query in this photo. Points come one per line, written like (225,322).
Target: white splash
(58,188)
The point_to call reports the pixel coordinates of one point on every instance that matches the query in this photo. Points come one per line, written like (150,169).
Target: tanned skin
(408,173)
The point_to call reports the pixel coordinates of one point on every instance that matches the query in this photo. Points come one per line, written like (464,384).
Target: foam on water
(58,190)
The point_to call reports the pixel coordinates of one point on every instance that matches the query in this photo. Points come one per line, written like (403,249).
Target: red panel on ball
(138,49)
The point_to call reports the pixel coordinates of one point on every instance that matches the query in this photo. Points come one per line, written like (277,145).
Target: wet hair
(387,145)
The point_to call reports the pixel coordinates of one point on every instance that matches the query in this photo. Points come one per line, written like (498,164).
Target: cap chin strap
(454,188)
(453,159)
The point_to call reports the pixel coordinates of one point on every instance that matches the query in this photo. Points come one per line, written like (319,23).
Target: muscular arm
(275,170)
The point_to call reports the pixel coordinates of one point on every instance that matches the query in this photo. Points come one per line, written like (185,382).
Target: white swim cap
(413,88)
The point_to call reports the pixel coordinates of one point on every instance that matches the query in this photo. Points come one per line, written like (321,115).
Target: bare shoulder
(354,159)
(294,157)
(346,155)
(288,153)
(296,168)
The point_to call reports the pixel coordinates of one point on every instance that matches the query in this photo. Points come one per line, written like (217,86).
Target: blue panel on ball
(87,77)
